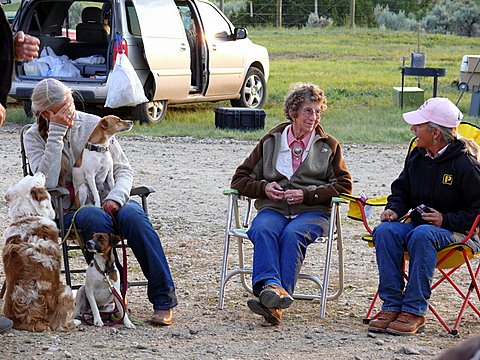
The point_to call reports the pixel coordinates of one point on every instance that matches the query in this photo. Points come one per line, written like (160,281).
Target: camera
(416,214)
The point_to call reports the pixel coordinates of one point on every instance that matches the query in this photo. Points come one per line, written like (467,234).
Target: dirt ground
(188,210)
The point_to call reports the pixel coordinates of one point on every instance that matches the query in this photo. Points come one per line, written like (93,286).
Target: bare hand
(26,46)
(64,116)
(294,196)
(111,208)
(389,215)
(274,191)
(3,114)
(433,218)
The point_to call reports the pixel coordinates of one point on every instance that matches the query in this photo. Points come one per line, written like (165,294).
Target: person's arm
(46,157)
(122,173)
(462,220)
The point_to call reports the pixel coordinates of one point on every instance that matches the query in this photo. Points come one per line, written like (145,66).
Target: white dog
(96,292)
(35,298)
(94,166)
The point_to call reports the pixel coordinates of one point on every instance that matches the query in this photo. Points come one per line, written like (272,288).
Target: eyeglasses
(309,112)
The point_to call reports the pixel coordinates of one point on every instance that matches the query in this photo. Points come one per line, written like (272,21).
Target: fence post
(279,13)
(352,14)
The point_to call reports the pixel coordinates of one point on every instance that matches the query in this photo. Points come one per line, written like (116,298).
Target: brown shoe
(407,324)
(380,324)
(271,315)
(162,317)
(273,296)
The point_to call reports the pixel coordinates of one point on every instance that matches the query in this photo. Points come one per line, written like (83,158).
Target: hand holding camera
(422,214)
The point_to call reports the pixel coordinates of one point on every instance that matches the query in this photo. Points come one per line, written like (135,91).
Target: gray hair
(448,134)
(48,94)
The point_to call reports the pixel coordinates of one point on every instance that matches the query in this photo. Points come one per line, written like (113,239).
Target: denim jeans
(422,243)
(136,228)
(280,244)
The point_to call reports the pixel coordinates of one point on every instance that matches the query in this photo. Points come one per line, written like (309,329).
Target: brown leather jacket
(321,175)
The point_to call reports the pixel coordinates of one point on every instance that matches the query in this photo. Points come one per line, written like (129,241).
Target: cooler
(239,118)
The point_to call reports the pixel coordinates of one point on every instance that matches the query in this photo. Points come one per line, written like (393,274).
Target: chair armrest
(58,192)
(142,191)
(230,192)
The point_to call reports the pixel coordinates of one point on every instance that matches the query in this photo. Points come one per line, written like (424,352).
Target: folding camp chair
(449,259)
(59,196)
(236,230)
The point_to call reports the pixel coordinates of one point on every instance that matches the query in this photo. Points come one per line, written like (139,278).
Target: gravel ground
(188,210)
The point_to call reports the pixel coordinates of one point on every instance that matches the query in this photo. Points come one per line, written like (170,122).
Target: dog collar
(97,148)
(109,268)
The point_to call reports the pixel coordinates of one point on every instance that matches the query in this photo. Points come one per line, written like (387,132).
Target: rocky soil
(188,209)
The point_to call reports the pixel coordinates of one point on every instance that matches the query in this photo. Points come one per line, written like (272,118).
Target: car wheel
(152,112)
(27,107)
(463,86)
(254,90)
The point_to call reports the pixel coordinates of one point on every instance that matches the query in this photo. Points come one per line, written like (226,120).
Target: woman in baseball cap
(441,179)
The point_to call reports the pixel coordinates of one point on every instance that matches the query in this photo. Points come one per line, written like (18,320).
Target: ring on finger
(290,199)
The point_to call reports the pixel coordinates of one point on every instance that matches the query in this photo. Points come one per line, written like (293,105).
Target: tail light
(119,48)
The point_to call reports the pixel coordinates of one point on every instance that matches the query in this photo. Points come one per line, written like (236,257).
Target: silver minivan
(183,51)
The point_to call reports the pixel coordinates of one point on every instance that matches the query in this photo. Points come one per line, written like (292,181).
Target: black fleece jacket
(6,57)
(449,184)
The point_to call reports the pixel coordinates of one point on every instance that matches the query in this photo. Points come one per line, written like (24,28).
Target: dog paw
(77,322)
(98,323)
(129,325)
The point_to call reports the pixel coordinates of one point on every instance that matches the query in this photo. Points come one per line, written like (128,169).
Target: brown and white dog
(94,166)
(96,293)
(35,298)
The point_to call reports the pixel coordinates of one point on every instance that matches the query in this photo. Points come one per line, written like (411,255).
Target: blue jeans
(134,225)
(422,243)
(280,245)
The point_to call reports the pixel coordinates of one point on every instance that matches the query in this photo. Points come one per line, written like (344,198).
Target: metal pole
(352,14)
(316,7)
(222,5)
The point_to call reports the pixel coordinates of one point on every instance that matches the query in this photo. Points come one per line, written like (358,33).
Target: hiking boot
(407,324)
(380,324)
(271,315)
(274,296)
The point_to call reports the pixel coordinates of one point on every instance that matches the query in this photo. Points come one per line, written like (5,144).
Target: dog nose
(90,245)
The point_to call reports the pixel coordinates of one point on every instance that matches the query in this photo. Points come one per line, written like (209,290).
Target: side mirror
(240,33)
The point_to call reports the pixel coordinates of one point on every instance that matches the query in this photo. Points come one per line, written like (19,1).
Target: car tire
(254,90)
(463,86)
(27,108)
(152,112)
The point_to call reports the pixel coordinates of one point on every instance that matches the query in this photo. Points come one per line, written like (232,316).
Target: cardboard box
(412,96)
(240,118)
(464,77)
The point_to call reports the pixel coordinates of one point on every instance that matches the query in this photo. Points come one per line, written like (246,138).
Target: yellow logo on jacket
(447,179)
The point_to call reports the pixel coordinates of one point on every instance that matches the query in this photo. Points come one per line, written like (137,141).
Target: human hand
(388,215)
(111,208)
(26,46)
(64,116)
(433,218)
(274,191)
(3,114)
(293,196)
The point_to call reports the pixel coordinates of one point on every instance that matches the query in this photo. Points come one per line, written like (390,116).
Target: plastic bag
(124,86)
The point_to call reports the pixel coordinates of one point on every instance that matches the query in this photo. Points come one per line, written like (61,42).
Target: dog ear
(104,122)
(115,239)
(39,194)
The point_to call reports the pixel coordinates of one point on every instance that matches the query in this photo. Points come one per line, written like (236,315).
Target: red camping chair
(449,259)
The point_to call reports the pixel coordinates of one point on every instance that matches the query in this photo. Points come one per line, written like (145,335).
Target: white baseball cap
(440,111)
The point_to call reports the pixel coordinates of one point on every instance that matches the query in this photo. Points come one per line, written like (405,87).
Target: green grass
(356,69)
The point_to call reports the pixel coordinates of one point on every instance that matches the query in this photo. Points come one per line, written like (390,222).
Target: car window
(214,23)
(132,20)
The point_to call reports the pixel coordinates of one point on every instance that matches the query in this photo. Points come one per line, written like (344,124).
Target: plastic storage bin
(239,118)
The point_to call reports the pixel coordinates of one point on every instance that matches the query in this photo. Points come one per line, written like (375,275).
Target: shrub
(390,20)
(321,22)
(453,17)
